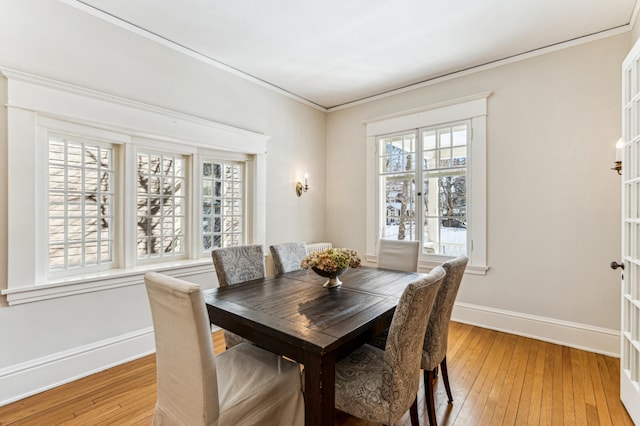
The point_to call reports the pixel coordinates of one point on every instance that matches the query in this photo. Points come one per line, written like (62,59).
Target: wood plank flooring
(496,379)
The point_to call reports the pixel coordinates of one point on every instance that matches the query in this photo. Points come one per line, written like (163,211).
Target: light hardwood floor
(496,379)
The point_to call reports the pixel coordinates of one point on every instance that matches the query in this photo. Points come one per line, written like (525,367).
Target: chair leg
(445,377)
(428,396)
(413,413)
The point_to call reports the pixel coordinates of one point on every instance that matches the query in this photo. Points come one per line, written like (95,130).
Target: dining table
(293,315)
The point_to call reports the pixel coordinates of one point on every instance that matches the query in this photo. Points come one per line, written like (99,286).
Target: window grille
(160,205)
(222,204)
(80,195)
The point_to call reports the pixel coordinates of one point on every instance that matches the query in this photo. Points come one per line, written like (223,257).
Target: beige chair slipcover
(398,255)
(245,385)
(236,265)
(381,385)
(288,256)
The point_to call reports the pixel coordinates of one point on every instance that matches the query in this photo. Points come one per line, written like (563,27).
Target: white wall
(553,203)
(44,343)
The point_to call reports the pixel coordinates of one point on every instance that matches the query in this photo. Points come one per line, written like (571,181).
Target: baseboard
(28,378)
(580,336)
(25,379)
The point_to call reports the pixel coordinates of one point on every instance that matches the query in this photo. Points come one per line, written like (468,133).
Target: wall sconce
(300,188)
(618,162)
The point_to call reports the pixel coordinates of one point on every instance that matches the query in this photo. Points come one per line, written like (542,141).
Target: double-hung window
(426,181)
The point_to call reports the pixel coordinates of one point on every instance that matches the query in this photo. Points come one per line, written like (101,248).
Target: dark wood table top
(295,316)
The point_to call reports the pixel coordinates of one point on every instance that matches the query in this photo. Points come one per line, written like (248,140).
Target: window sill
(102,281)
(428,265)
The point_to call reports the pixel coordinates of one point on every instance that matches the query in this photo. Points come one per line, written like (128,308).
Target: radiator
(314,247)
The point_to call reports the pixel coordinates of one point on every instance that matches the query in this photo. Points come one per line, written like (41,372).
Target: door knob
(615,265)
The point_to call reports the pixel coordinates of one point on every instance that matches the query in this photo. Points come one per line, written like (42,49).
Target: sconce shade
(618,162)
(300,188)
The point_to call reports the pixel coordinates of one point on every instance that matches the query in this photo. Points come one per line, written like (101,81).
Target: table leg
(319,398)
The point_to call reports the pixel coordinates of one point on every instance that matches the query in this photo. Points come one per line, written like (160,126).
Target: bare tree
(158,197)
(453,206)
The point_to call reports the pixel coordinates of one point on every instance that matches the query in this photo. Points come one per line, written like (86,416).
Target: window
(156,203)
(161,204)
(422,179)
(81,209)
(116,188)
(80,215)
(427,181)
(222,204)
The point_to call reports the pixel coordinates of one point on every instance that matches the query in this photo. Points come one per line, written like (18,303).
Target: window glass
(397,182)
(428,203)
(445,190)
(80,199)
(222,204)
(160,205)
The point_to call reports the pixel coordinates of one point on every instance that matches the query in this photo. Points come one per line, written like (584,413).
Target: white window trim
(33,100)
(46,126)
(472,108)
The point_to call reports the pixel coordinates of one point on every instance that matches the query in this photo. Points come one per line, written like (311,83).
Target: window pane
(223,213)
(397,153)
(445,192)
(159,204)
(429,140)
(397,184)
(444,138)
(79,182)
(399,193)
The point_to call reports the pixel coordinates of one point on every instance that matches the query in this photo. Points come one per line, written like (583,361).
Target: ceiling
(334,52)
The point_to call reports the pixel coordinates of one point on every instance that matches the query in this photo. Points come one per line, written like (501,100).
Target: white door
(630,294)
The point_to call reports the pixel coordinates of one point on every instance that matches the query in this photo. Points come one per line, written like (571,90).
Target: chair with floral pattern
(287,256)
(236,265)
(434,350)
(381,385)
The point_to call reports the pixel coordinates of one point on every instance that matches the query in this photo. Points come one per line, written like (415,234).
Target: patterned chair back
(238,264)
(437,335)
(287,256)
(403,348)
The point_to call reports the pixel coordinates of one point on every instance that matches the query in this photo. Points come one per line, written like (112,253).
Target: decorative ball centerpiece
(331,263)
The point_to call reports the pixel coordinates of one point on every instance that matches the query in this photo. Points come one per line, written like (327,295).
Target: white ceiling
(333,52)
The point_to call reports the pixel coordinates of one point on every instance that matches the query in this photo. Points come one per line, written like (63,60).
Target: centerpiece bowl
(334,276)
(331,263)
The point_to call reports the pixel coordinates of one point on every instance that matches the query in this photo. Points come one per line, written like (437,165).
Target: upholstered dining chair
(401,255)
(434,350)
(287,256)
(381,385)
(236,265)
(245,385)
